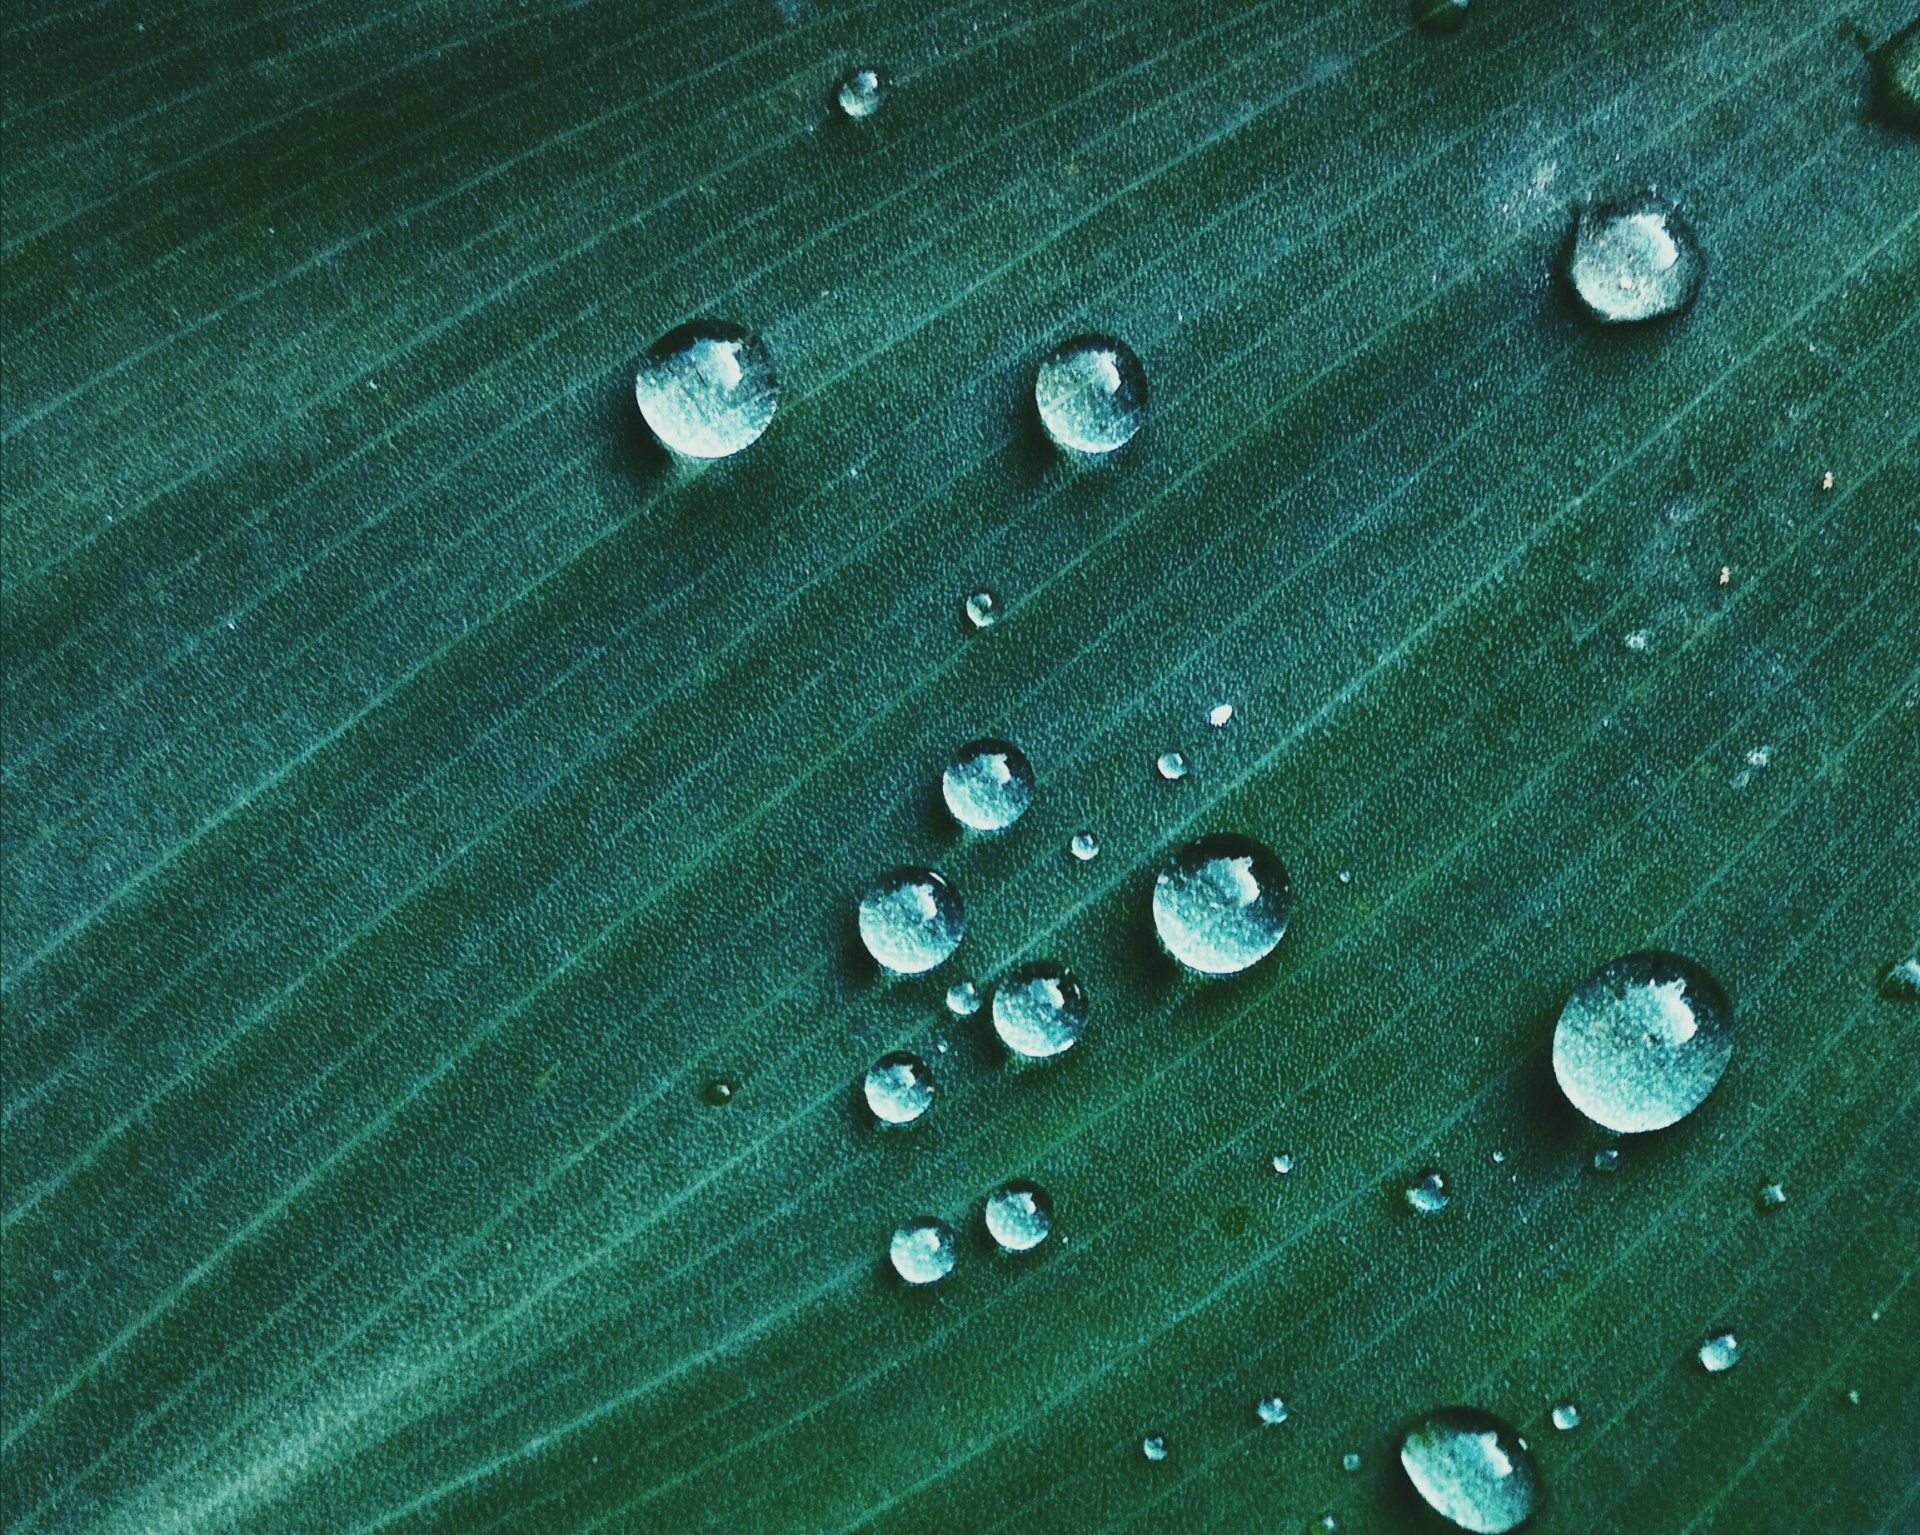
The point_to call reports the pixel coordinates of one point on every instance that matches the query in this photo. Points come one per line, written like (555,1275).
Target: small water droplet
(1271,1411)
(982,611)
(988,785)
(1499,1156)
(720,1090)
(1350,1462)
(1472,1469)
(911,919)
(922,1251)
(1345,876)
(1442,18)
(963,999)
(1220,904)
(1607,1160)
(1429,1193)
(1283,1164)
(1771,1197)
(1154,1447)
(1896,78)
(1853,1397)
(1085,846)
(1900,981)
(1637,640)
(1642,1041)
(860,93)
(1019,1216)
(1039,1010)
(1634,260)
(1092,394)
(707,388)
(1220,714)
(899,1088)
(1566,1417)
(1171,766)
(1719,1353)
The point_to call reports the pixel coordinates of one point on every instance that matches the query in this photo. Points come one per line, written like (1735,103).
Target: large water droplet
(1634,260)
(1896,78)
(899,1088)
(1220,904)
(911,920)
(707,388)
(860,93)
(1642,1041)
(1039,1010)
(1900,981)
(1440,17)
(1429,1193)
(1092,394)
(1719,1353)
(1472,1469)
(963,999)
(988,785)
(1019,1216)
(922,1251)
(1271,1410)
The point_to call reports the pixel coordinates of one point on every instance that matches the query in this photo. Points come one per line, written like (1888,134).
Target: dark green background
(417,788)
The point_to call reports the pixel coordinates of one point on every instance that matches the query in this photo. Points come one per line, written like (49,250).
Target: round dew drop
(911,919)
(1633,261)
(1154,1447)
(1220,904)
(707,389)
(861,93)
(1171,766)
(982,611)
(1085,846)
(988,785)
(1039,1011)
(963,999)
(1428,1194)
(1719,1353)
(922,1251)
(1472,1469)
(1091,393)
(1019,1215)
(1642,1042)
(899,1088)
(1566,1417)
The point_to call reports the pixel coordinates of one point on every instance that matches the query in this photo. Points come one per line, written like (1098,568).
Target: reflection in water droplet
(922,1251)
(1719,1353)
(1566,1417)
(1220,903)
(1634,260)
(1440,17)
(1472,1469)
(1171,766)
(1429,1193)
(1901,981)
(1220,714)
(899,1088)
(1019,1216)
(1154,1447)
(963,999)
(1771,1197)
(1085,846)
(1039,1010)
(911,919)
(860,93)
(1896,78)
(1092,394)
(707,389)
(1607,1160)
(1271,1411)
(982,611)
(1642,1041)
(988,785)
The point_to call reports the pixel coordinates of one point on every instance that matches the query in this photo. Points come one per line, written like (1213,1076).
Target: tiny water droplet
(899,1088)
(1566,1417)
(1085,846)
(1220,714)
(1283,1164)
(982,611)
(1429,1193)
(1271,1411)
(1442,18)
(911,919)
(1154,1447)
(963,999)
(1642,1041)
(1853,1397)
(1345,876)
(1719,1353)
(1637,640)
(720,1090)
(922,1251)
(1350,1462)
(1019,1216)
(1039,1010)
(1092,394)
(1220,904)
(988,785)
(860,93)
(1900,982)
(707,388)
(1472,1469)
(1896,78)
(1171,766)
(1634,260)
(1499,1156)
(1771,1197)
(1607,1160)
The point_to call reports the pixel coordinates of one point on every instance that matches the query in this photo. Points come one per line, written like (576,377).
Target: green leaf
(420,791)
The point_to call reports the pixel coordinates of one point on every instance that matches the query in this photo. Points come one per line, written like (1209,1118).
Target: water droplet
(1154,1447)
(988,785)
(1634,260)
(1221,903)
(1566,1417)
(1896,78)
(1171,766)
(1039,1011)
(1019,1216)
(1499,1156)
(720,1090)
(1271,1411)
(1345,876)
(1607,1160)
(1642,1041)
(1637,640)
(1442,18)
(1092,394)
(963,999)
(1429,1193)
(899,1088)
(1853,1397)
(860,93)
(911,919)
(1719,1353)
(923,1250)
(1771,1197)
(1220,714)
(1472,1469)
(982,611)
(1283,1164)
(707,388)
(1085,846)
(1900,982)
(1350,1462)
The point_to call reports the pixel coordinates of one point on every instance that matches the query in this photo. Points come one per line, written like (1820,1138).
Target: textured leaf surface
(418,789)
